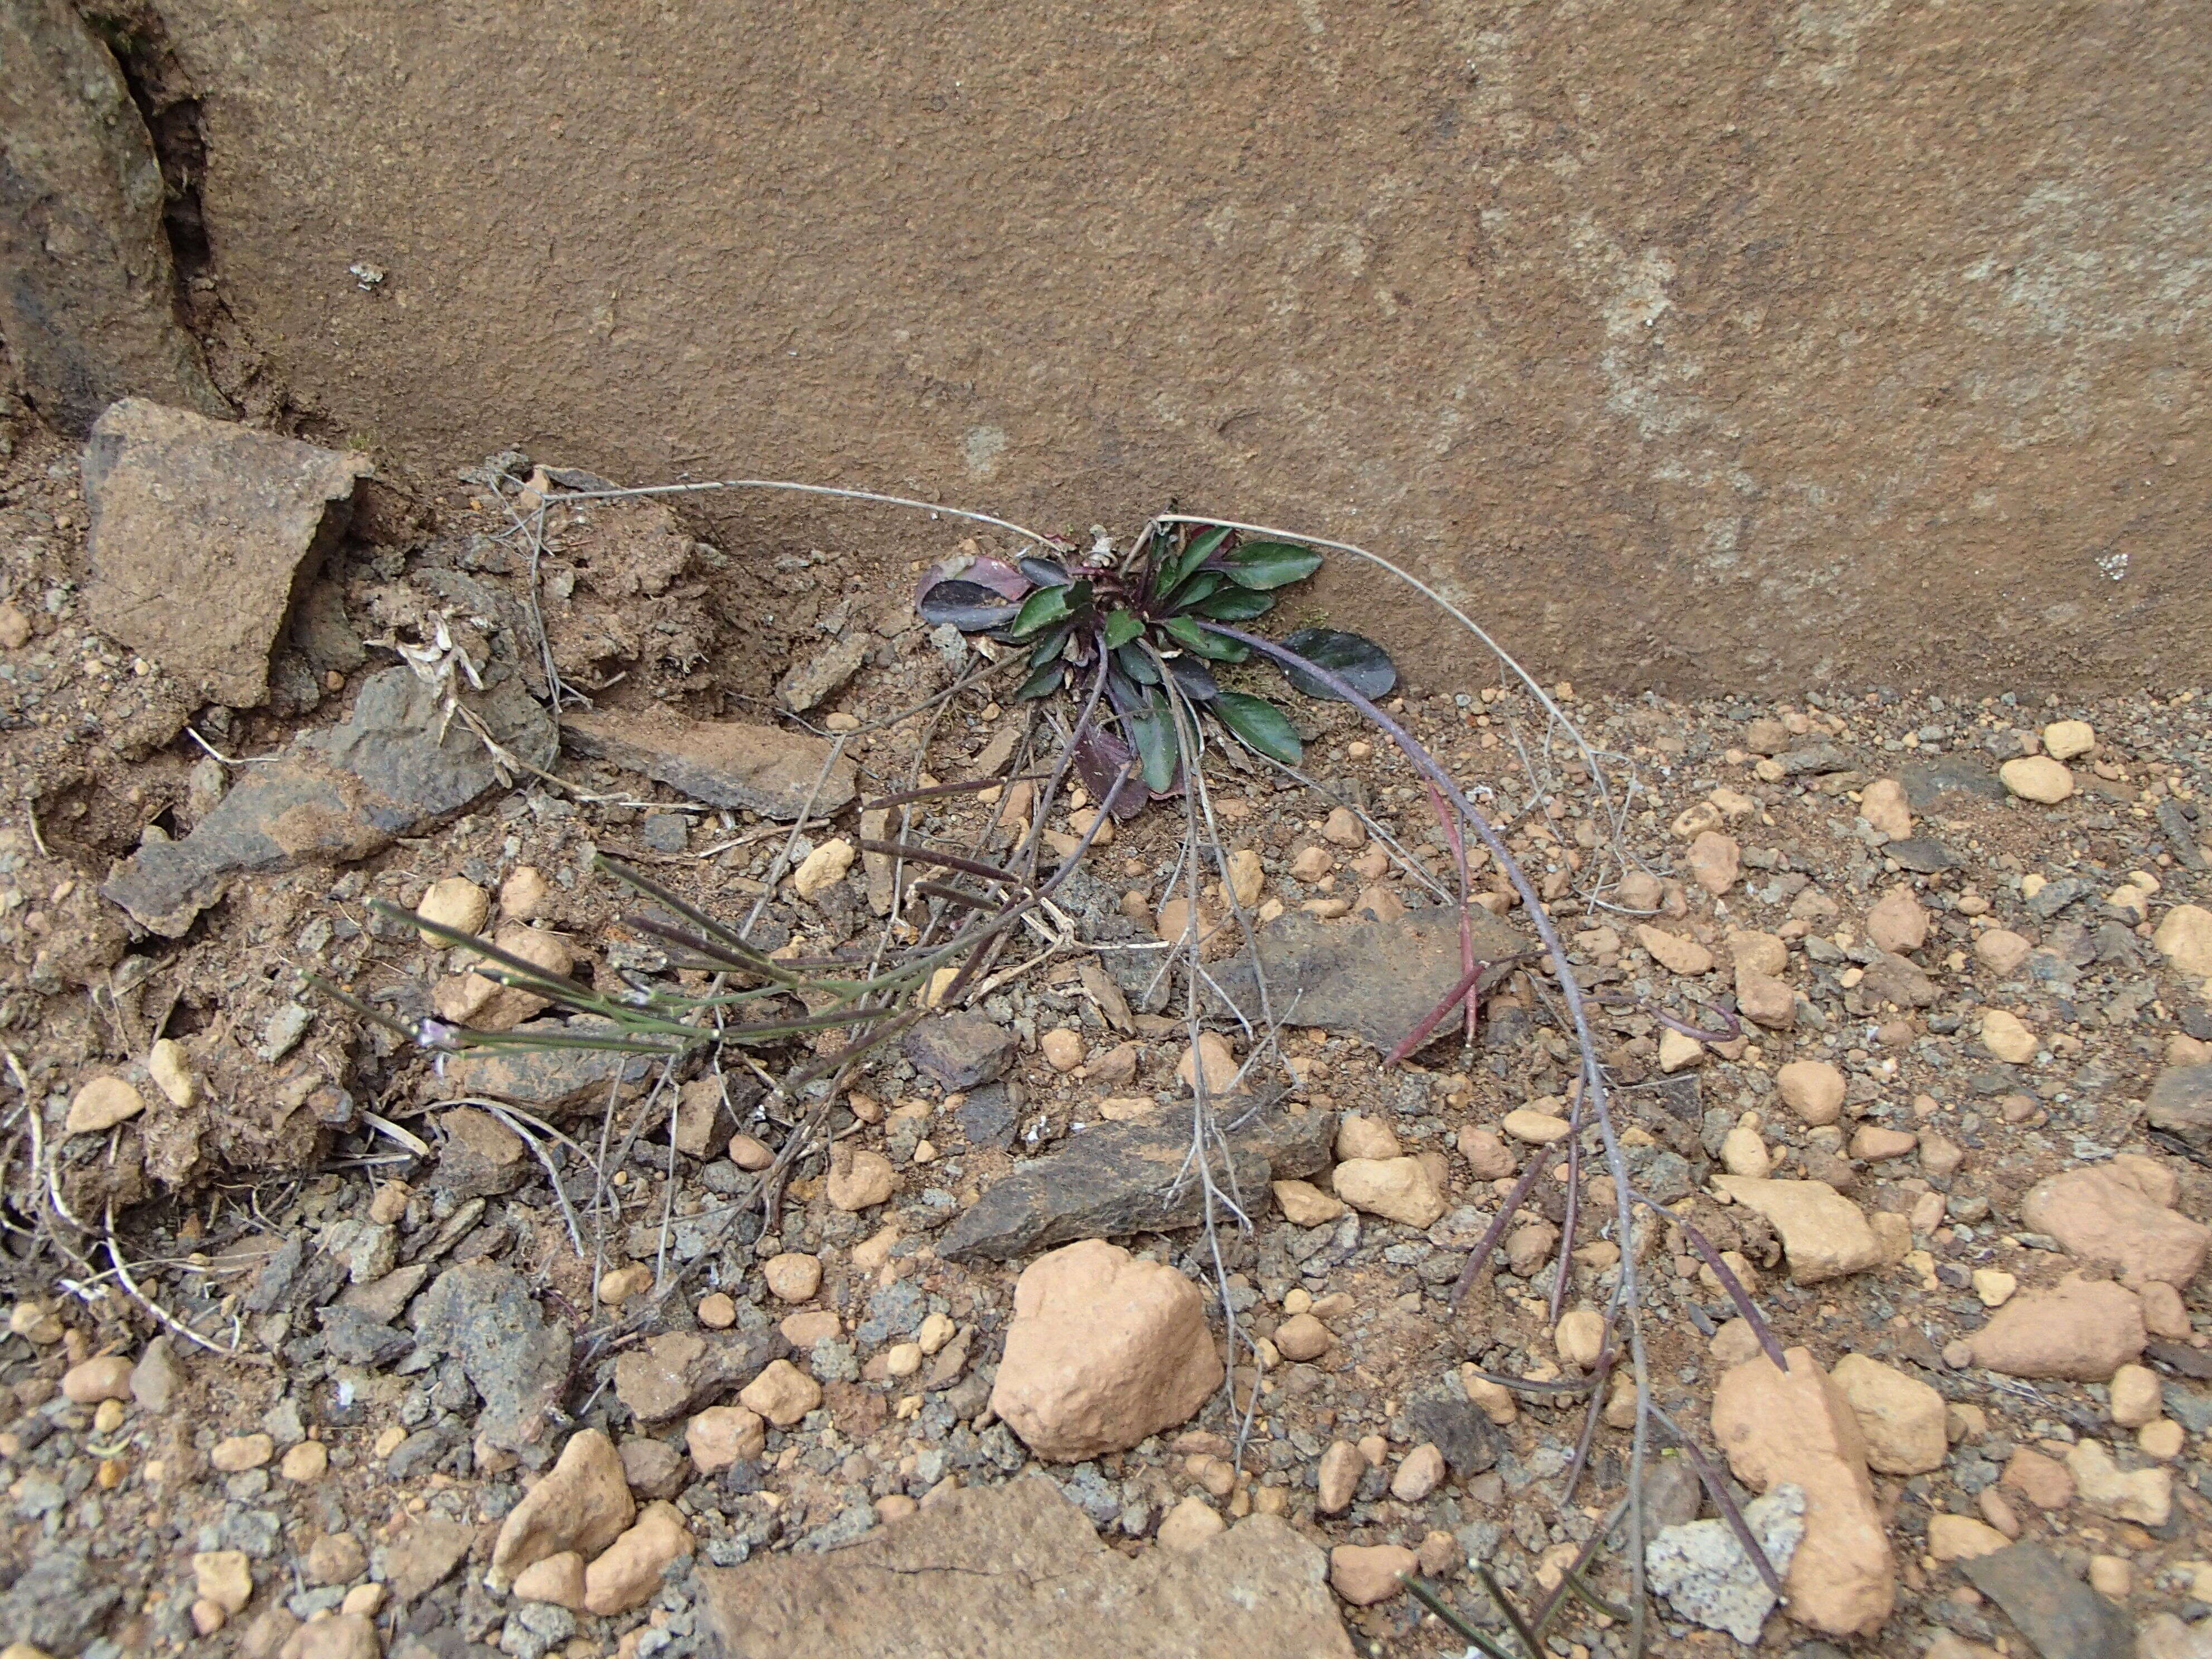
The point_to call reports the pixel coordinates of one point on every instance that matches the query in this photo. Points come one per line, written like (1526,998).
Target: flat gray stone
(2062,1616)
(482,1314)
(335,795)
(1813,759)
(1921,854)
(2180,1102)
(551,1081)
(822,675)
(1119,1178)
(1375,980)
(1926,782)
(761,769)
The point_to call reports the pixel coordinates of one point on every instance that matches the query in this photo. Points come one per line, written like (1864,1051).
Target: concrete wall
(1694,345)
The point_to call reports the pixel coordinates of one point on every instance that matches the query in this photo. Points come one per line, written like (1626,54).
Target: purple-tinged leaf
(968,606)
(1101,757)
(996,575)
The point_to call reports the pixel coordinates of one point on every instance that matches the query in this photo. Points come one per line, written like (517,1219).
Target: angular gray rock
(203,535)
(1017,1572)
(1921,854)
(990,1115)
(2180,1102)
(1926,782)
(1376,979)
(1706,1575)
(548,1080)
(59,1602)
(1121,1178)
(2062,1616)
(960,1050)
(1813,759)
(415,1563)
(672,1374)
(2182,834)
(815,681)
(354,1338)
(722,763)
(1459,1430)
(89,306)
(335,795)
(482,1314)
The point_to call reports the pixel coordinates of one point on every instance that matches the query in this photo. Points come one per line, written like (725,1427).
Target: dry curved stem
(1729,1283)
(1616,812)
(1717,1490)
(1593,1080)
(168,1320)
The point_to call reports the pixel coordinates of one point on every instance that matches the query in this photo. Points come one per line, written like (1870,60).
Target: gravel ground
(1953,994)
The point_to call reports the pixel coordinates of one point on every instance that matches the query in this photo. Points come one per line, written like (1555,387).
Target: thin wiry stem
(1594,1083)
(933,508)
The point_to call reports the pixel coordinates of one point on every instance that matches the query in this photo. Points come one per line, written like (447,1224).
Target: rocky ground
(321,1348)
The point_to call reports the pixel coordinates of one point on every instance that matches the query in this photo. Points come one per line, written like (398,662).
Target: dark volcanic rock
(356,1338)
(337,795)
(1121,1178)
(1458,1430)
(1921,854)
(989,1115)
(2180,832)
(2181,1103)
(484,1314)
(960,1050)
(1927,782)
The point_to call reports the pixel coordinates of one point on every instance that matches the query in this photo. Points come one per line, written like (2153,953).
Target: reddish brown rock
(2081,1330)
(1364,1574)
(583,1504)
(1104,1349)
(1017,1572)
(204,535)
(2103,1213)
(1798,1428)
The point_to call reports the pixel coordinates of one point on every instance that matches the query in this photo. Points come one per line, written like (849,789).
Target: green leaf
(1041,684)
(1193,681)
(1040,609)
(1261,724)
(1122,627)
(1171,571)
(1153,734)
(1203,586)
(1055,643)
(1270,564)
(1352,658)
(1132,661)
(1236,604)
(1189,635)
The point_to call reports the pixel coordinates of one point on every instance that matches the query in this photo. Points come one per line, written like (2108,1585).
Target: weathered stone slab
(1121,1178)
